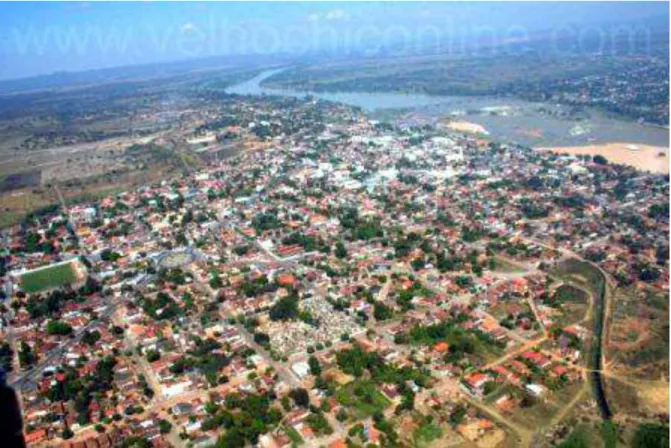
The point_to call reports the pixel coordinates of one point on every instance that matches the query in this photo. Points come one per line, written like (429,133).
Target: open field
(91,140)
(637,351)
(16,204)
(50,277)
(643,157)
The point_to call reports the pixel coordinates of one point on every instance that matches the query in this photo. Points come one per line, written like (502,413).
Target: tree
(340,250)
(58,327)
(153,355)
(457,415)
(600,160)
(261,338)
(382,311)
(135,442)
(319,424)
(407,402)
(300,397)
(315,366)
(284,309)
(91,337)
(232,438)
(215,282)
(165,426)
(26,355)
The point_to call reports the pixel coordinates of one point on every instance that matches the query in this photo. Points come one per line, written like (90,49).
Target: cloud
(187,27)
(313,18)
(336,14)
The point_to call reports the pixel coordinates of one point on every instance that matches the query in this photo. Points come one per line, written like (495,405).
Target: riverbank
(643,157)
(503,118)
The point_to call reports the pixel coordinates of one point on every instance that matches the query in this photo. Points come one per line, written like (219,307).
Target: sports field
(48,277)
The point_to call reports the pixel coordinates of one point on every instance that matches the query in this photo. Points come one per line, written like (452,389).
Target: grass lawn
(49,277)
(364,397)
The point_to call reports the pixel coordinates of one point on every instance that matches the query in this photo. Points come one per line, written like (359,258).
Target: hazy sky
(40,38)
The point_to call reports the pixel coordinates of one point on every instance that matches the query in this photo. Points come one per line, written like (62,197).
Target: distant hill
(67,80)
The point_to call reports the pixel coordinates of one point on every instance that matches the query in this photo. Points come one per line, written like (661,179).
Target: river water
(505,119)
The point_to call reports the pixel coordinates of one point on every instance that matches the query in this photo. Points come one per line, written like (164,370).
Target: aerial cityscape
(383,245)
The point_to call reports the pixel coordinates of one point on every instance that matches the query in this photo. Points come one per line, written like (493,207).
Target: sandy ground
(466,126)
(642,157)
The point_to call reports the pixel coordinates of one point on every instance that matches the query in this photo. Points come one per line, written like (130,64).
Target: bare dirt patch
(643,157)
(467,126)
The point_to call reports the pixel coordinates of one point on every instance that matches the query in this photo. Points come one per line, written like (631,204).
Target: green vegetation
(265,221)
(285,309)
(315,366)
(162,307)
(55,327)
(260,285)
(567,293)
(153,355)
(364,396)
(293,435)
(50,305)
(244,419)
(356,361)
(359,228)
(651,435)
(81,388)
(300,397)
(47,278)
(26,355)
(165,426)
(135,442)
(382,311)
(609,434)
(461,341)
(427,431)
(91,337)
(579,438)
(457,414)
(340,250)
(600,160)
(206,358)
(308,243)
(592,279)
(540,73)
(319,424)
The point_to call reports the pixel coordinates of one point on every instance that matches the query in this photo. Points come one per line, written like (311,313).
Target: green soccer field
(47,278)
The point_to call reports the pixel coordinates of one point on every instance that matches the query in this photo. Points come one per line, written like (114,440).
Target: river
(507,119)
